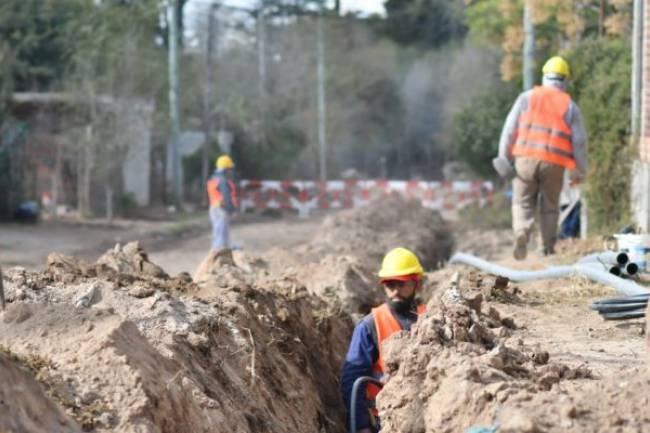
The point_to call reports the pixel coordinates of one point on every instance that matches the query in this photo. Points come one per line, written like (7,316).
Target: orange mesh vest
(214,195)
(542,132)
(386,325)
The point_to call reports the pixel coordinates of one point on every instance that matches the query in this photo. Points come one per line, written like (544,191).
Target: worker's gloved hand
(504,167)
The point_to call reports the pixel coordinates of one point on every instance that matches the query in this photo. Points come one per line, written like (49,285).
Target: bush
(477,128)
(601,71)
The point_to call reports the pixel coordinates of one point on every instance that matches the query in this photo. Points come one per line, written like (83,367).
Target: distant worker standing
(222,194)
(544,134)
(401,276)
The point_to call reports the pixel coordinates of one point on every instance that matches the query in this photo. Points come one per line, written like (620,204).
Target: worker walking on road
(222,194)
(544,134)
(401,276)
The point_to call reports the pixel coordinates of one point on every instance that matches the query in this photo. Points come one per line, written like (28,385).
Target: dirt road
(255,236)
(176,245)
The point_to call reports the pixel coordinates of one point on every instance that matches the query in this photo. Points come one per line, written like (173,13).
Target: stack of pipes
(606,268)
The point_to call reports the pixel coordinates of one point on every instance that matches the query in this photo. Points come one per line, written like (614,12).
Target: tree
(423,23)
(558,23)
(33,31)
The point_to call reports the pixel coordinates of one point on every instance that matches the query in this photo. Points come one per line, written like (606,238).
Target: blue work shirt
(362,354)
(224,189)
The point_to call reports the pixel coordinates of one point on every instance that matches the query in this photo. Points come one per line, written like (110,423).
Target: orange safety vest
(542,132)
(214,194)
(386,325)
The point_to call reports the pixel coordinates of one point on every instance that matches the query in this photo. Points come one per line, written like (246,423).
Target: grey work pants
(220,228)
(537,182)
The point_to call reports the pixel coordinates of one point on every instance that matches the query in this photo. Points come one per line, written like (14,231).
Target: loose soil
(174,339)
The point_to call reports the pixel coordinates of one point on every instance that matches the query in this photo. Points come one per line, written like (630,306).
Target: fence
(306,196)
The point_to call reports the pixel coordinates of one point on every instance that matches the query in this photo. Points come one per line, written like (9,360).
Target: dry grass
(575,290)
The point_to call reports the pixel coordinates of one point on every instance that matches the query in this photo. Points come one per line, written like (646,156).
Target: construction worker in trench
(222,194)
(401,276)
(544,134)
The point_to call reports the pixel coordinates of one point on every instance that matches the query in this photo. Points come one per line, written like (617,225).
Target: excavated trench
(250,344)
(254,343)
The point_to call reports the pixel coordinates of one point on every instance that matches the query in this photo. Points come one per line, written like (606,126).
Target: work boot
(520,251)
(546,251)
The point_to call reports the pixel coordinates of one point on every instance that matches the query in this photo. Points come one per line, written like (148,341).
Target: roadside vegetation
(426,84)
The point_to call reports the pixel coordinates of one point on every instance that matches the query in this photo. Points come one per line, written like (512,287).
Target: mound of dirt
(124,348)
(392,221)
(342,281)
(24,404)
(341,263)
(458,367)
(122,265)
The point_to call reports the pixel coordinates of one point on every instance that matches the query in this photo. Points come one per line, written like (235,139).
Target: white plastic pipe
(590,270)
(606,257)
(624,287)
(512,274)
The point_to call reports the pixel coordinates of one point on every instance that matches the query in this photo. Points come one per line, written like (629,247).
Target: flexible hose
(512,274)
(353,400)
(605,257)
(589,270)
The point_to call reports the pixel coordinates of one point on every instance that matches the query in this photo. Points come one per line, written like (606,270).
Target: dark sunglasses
(395,284)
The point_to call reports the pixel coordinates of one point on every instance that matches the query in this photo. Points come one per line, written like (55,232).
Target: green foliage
(113,50)
(34,30)
(477,127)
(602,71)
(486,22)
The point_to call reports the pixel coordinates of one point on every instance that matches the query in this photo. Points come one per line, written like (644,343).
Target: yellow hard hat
(400,262)
(224,162)
(557,65)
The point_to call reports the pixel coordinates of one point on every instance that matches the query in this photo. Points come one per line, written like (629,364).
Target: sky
(195,11)
(364,6)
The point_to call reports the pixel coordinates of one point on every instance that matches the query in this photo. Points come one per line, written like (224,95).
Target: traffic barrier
(306,196)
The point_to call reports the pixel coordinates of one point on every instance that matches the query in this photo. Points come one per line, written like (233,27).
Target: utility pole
(208,95)
(322,139)
(261,64)
(172,19)
(637,66)
(529,46)
(639,195)
(261,53)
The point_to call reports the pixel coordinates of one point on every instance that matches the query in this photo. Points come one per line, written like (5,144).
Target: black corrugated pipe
(625,315)
(613,308)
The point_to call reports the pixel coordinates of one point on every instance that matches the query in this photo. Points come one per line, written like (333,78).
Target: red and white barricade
(305,196)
